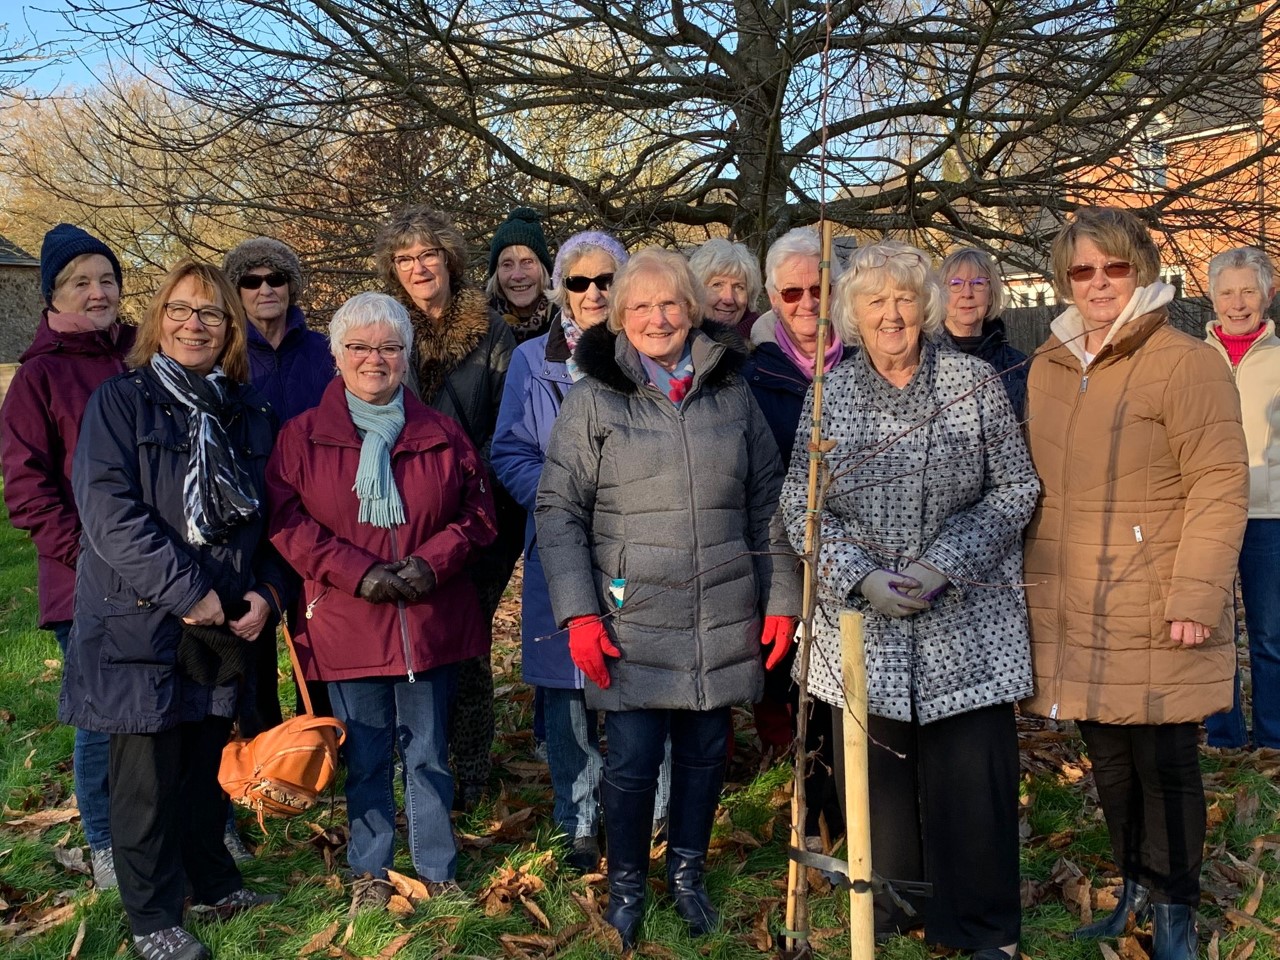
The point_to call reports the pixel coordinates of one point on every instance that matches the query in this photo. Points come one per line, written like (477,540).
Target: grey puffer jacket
(937,471)
(673,501)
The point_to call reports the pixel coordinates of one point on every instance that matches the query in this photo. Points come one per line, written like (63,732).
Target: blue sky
(36,22)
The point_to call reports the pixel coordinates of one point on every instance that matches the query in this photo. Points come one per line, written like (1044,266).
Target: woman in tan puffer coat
(1131,555)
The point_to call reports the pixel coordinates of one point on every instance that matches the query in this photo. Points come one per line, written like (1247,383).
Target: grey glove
(932,583)
(381,585)
(886,591)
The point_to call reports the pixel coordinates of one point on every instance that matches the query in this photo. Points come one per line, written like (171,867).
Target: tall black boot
(1133,899)
(1174,931)
(628,818)
(695,793)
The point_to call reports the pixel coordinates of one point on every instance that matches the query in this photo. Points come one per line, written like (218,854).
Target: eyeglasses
(577,284)
(793,294)
(665,307)
(1084,272)
(252,281)
(424,259)
(362,351)
(180,312)
(977,283)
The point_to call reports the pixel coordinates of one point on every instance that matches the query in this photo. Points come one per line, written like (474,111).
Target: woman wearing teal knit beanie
(519,274)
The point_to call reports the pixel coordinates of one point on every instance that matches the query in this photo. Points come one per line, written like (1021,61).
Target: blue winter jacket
(537,383)
(137,576)
(293,376)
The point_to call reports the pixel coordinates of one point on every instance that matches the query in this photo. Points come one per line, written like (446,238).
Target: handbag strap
(303,693)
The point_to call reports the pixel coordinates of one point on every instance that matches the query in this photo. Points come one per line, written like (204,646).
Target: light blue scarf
(379,426)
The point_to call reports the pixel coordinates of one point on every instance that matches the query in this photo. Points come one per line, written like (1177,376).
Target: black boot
(628,817)
(1174,933)
(1133,899)
(695,793)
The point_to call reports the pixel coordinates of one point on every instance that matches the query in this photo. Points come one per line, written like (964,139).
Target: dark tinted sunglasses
(793,294)
(580,284)
(253,281)
(1083,272)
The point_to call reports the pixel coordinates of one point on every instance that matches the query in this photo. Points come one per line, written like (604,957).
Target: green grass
(748,864)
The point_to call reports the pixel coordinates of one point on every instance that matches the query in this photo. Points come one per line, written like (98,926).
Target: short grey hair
(367,310)
(982,262)
(870,269)
(1239,258)
(800,242)
(723,258)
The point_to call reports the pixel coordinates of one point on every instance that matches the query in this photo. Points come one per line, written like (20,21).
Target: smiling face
(1239,302)
(190,342)
(967,303)
(801,317)
(889,322)
(374,378)
(726,298)
(656,319)
(90,289)
(590,307)
(519,277)
(267,304)
(425,277)
(1100,299)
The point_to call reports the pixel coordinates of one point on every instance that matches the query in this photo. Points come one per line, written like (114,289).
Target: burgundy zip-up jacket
(39,426)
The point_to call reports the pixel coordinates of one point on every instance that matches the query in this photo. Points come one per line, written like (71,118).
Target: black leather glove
(382,585)
(417,573)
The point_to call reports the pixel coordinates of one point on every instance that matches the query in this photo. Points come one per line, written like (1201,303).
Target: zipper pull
(411,680)
(1053,712)
(311,606)
(482,484)
(1084,383)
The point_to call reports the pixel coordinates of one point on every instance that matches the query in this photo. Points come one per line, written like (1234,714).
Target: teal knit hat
(522,228)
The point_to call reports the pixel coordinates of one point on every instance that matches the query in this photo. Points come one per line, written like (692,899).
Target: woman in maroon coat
(379,502)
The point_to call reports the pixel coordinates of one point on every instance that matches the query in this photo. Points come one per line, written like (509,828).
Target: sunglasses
(793,294)
(1083,272)
(576,284)
(253,281)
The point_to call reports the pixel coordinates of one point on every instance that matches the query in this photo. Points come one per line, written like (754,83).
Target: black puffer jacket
(993,346)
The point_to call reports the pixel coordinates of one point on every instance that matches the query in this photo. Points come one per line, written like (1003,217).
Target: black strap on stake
(838,872)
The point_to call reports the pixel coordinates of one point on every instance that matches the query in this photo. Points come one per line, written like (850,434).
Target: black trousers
(946,812)
(1148,779)
(167,815)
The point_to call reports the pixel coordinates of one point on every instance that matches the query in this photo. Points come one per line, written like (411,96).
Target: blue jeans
(573,754)
(384,715)
(1260,591)
(91,758)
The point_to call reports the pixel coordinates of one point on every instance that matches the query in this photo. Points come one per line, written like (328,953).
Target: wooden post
(862,945)
(797,879)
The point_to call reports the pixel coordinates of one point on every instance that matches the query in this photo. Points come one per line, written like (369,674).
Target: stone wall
(19,310)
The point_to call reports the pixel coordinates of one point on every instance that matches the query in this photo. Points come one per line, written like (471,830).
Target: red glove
(777,631)
(588,644)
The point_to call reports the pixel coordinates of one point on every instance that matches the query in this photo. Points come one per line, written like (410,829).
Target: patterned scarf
(217,492)
(572,334)
(523,327)
(379,425)
(676,383)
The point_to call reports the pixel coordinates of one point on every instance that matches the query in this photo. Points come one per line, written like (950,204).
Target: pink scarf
(835,350)
(70,323)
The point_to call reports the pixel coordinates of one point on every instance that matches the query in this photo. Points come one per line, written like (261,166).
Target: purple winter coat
(39,427)
(292,376)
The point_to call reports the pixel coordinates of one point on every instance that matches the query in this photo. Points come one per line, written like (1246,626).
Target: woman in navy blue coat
(169,480)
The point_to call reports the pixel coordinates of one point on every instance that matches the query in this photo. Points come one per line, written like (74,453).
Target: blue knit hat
(571,248)
(522,228)
(63,244)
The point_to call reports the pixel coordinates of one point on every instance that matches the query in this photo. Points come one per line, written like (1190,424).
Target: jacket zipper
(693,525)
(312,605)
(1062,539)
(403,616)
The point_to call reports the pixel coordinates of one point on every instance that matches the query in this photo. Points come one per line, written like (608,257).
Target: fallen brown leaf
(44,819)
(394,947)
(535,911)
(78,942)
(408,887)
(1243,951)
(1238,918)
(1255,898)
(761,937)
(1130,949)
(1107,952)
(1215,947)
(321,940)
(72,859)
(399,906)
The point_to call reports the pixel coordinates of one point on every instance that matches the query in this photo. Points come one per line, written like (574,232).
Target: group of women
(604,413)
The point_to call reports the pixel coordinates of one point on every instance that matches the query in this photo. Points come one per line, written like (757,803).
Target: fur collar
(722,355)
(439,346)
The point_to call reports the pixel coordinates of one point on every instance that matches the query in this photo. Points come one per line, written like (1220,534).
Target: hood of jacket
(115,339)
(718,353)
(1141,315)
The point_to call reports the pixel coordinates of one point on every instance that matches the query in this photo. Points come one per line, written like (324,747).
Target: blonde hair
(665,263)
(1117,233)
(214,285)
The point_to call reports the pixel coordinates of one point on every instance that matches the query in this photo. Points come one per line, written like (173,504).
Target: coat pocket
(145,635)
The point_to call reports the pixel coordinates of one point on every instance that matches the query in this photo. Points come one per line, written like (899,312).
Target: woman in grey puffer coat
(653,517)
(931,486)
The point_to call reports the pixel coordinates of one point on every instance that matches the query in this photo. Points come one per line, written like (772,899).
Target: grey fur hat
(264,252)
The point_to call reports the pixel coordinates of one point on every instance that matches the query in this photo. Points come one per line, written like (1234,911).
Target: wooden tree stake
(862,945)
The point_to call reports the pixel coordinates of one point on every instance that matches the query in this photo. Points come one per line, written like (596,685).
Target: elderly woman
(653,514)
(731,276)
(1241,287)
(542,371)
(779,375)
(79,343)
(169,481)
(460,353)
(1130,558)
(974,298)
(922,529)
(519,275)
(380,502)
